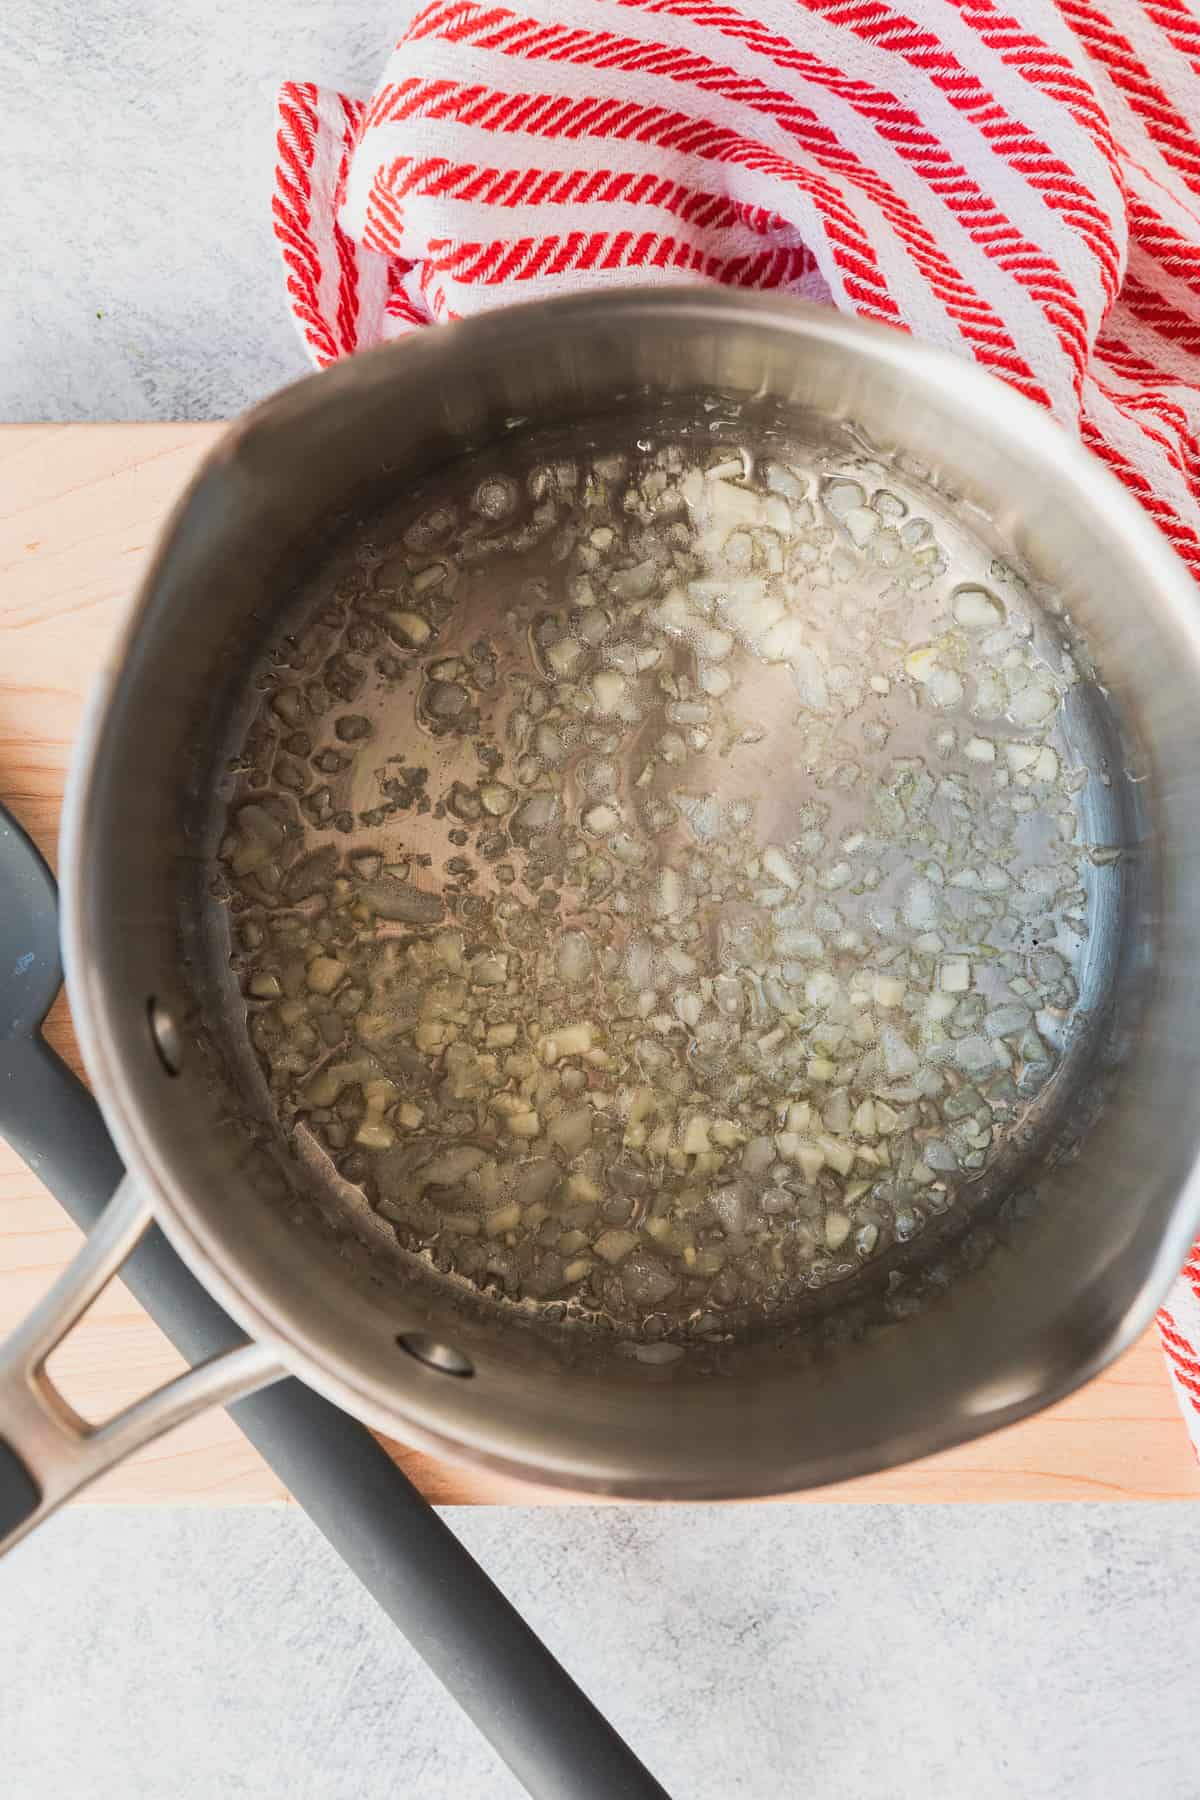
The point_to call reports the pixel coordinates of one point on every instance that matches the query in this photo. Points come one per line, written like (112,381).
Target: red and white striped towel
(1016,180)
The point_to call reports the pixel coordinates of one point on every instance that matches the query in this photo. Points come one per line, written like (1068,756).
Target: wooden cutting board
(80,506)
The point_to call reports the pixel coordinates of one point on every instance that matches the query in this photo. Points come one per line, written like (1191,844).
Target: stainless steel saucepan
(1061,1272)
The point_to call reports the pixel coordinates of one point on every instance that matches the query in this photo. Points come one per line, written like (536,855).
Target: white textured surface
(748,1653)
(138,273)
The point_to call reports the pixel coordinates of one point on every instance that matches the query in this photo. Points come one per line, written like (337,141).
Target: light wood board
(80,506)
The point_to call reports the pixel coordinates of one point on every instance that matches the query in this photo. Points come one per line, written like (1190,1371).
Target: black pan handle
(20,1495)
(54,1125)
(557,1744)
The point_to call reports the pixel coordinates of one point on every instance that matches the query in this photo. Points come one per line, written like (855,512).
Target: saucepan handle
(47,1451)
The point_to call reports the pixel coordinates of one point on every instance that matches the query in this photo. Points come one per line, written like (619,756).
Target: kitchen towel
(1019,184)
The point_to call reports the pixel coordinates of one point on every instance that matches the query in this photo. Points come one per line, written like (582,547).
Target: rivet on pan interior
(435,1355)
(165,1035)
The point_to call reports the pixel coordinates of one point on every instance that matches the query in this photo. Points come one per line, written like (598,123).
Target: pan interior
(462,656)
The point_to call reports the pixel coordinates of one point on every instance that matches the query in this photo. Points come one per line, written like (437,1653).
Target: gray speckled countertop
(750,1653)
(765,1652)
(139,277)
